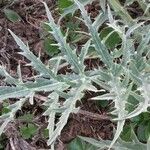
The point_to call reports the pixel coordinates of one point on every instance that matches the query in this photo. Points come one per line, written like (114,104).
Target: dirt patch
(90,121)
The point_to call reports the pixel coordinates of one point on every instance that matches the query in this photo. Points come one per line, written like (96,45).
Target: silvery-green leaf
(65,115)
(84,51)
(99,46)
(37,64)
(120,125)
(63,45)
(102,84)
(110,16)
(102,74)
(8,117)
(99,20)
(108,96)
(132,28)
(27,88)
(55,63)
(143,43)
(3,126)
(90,87)
(119,145)
(121,11)
(19,73)
(13,92)
(51,121)
(103,5)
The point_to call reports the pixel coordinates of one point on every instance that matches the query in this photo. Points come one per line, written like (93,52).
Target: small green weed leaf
(147,131)
(26,117)
(78,144)
(73,25)
(145,116)
(102,103)
(3,140)
(126,134)
(136,119)
(73,8)
(5,110)
(12,15)
(132,102)
(46,27)
(1,146)
(46,133)
(7,92)
(64,3)
(50,49)
(111,38)
(28,131)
